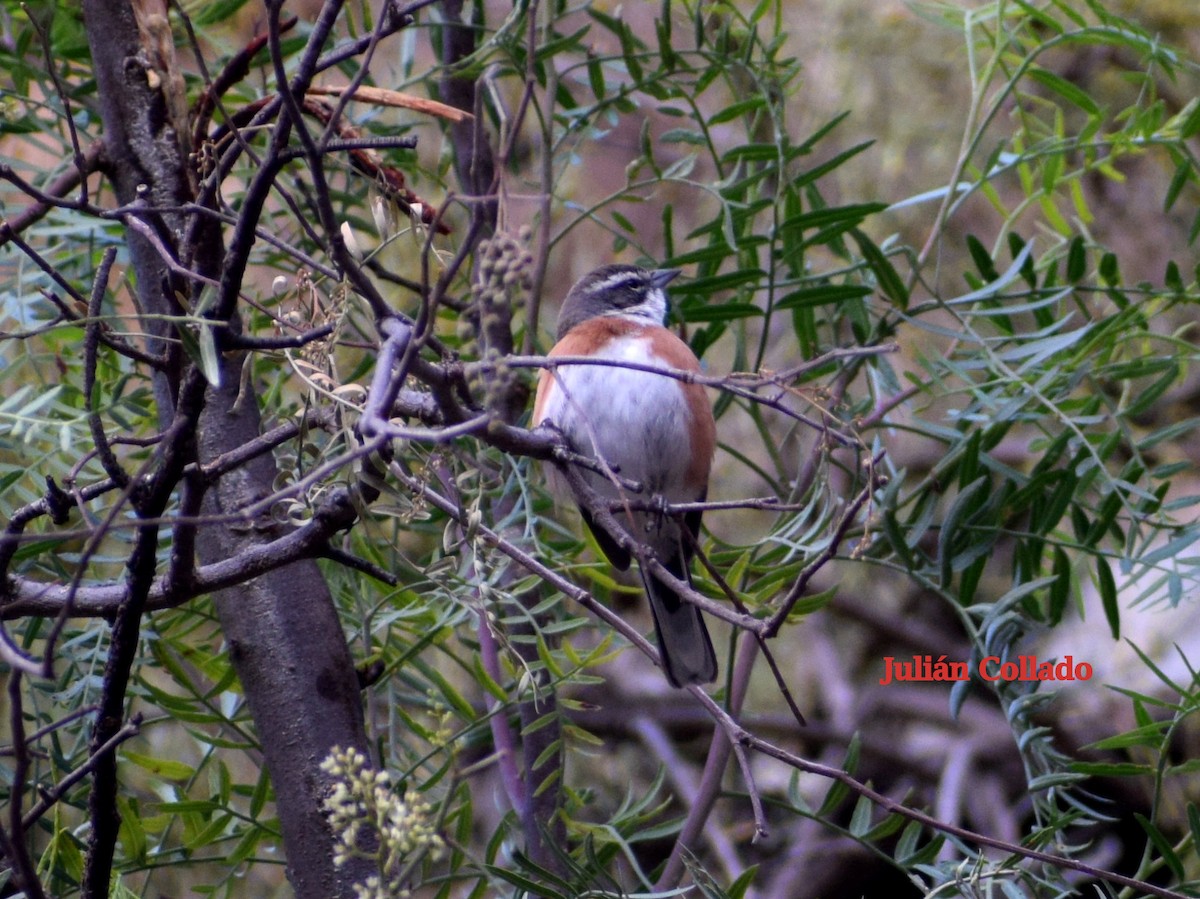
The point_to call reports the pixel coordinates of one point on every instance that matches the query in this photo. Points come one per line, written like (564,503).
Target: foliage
(1044,389)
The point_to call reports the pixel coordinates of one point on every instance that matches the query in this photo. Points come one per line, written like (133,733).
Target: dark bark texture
(282,629)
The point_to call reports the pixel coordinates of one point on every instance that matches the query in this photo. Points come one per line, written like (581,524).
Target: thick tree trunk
(287,645)
(284,637)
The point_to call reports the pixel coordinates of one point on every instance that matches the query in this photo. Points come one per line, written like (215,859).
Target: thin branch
(760,639)
(892,806)
(597,508)
(18,853)
(50,796)
(355,143)
(65,99)
(135,223)
(285,342)
(363,566)
(7,234)
(73,715)
(52,197)
(830,550)
(733,732)
(709,789)
(103,815)
(336,513)
(108,459)
(398,17)
(107,337)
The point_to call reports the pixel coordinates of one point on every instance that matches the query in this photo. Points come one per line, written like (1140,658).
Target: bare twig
(740,384)
(52,196)
(830,550)
(709,789)
(131,728)
(108,458)
(364,566)
(597,508)
(893,806)
(760,639)
(14,838)
(733,732)
(65,98)
(336,513)
(107,337)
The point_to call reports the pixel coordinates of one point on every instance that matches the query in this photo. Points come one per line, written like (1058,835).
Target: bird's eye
(631,294)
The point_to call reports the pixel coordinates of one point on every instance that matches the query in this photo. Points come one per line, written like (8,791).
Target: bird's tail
(683,640)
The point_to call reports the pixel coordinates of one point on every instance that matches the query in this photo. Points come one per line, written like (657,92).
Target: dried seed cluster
(505,266)
(364,811)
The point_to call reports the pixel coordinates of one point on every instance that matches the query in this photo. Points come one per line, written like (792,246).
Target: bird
(650,428)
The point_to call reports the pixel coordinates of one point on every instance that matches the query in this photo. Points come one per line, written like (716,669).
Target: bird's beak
(663,276)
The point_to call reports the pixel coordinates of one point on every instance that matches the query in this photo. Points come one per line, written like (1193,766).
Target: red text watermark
(990,668)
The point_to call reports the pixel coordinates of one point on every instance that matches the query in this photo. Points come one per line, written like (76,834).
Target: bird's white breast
(636,421)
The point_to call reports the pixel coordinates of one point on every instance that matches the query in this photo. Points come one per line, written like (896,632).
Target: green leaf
(738,889)
(809,604)
(860,821)
(132,832)
(1112,769)
(737,110)
(1190,126)
(533,887)
(683,136)
(726,281)
(1109,270)
(825,168)
(1147,735)
(884,828)
(210,361)
(721,312)
(982,259)
(561,44)
(1065,89)
(1184,173)
(1055,779)
(188,807)
(1041,17)
(246,846)
(216,12)
(839,790)
(959,509)
(1076,260)
(1108,596)
(1173,279)
(623,223)
(889,281)
(168,769)
(596,81)
(1163,845)
(906,846)
(824,295)
(1060,589)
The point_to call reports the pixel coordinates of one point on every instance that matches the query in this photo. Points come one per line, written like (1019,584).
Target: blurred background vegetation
(1005,193)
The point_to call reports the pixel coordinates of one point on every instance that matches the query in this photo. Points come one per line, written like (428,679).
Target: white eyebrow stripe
(652,308)
(613,281)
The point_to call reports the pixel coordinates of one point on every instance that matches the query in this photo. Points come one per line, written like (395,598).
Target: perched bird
(645,427)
